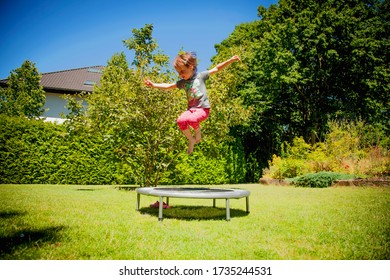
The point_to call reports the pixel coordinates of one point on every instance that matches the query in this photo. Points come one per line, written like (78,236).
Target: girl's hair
(186,59)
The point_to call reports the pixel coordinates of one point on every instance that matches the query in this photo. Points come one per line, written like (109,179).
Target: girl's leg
(191,140)
(198,116)
(182,122)
(198,135)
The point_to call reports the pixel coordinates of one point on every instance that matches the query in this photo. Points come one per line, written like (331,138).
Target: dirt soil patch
(377,182)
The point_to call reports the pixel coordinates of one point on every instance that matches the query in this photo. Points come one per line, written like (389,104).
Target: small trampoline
(199,193)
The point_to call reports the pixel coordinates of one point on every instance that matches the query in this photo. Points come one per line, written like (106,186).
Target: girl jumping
(194,84)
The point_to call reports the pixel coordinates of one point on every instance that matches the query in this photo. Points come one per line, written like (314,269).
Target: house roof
(74,80)
(71,81)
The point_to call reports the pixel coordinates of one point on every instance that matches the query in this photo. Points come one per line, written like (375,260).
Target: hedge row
(36,152)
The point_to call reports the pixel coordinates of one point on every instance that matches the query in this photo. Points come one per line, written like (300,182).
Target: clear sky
(68,34)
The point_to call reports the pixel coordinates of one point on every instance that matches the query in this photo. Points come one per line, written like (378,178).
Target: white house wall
(55,105)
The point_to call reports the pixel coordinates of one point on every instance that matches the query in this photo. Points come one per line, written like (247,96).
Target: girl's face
(185,72)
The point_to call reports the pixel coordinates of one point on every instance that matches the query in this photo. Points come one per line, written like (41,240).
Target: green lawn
(100,222)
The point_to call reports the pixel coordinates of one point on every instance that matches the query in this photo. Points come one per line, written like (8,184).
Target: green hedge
(208,164)
(37,152)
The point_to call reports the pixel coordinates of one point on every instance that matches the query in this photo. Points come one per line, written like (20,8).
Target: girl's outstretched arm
(222,65)
(149,83)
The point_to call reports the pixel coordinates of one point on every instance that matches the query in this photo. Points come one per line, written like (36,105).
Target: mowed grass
(100,222)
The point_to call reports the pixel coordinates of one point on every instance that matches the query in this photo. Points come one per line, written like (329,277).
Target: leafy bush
(320,179)
(199,169)
(357,148)
(293,161)
(208,165)
(281,168)
(349,148)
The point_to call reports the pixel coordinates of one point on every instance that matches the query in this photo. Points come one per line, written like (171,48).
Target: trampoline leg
(214,202)
(160,209)
(167,200)
(138,201)
(247,204)
(227,210)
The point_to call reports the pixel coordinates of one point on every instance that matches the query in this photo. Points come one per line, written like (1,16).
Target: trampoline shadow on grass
(184,212)
(28,238)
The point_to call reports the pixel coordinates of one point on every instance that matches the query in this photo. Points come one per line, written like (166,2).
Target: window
(89,83)
(95,70)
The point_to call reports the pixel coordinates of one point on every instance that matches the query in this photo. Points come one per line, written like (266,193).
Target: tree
(309,62)
(138,120)
(23,95)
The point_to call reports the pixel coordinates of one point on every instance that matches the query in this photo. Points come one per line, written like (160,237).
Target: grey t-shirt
(195,88)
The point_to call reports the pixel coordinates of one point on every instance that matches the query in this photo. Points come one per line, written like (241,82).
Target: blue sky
(60,35)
